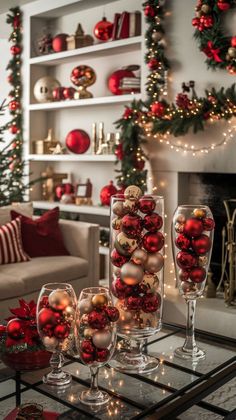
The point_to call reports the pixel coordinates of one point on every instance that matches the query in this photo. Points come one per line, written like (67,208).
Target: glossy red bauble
(153,242)
(102,355)
(59,43)
(15,49)
(120,289)
(13,129)
(208,223)
(68,93)
(182,242)
(47,317)
(61,331)
(146,204)
(158,109)
(112,313)
(151,302)
(97,320)
(59,191)
(152,222)
(183,275)
(87,358)
(131,225)
(44,302)
(103,30)
(149,11)
(233,41)
(193,227)
(153,64)
(106,193)
(114,80)
(87,347)
(117,259)
(14,105)
(201,245)
(197,274)
(77,141)
(57,93)
(15,328)
(69,188)
(223,5)
(134,303)
(186,260)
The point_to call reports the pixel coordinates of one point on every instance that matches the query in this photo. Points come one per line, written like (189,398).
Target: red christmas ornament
(201,245)
(193,227)
(59,43)
(131,225)
(153,242)
(47,317)
(152,222)
(208,223)
(97,320)
(149,11)
(69,188)
(197,274)
(57,93)
(151,302)
(128,113)
(14,105)
(77,141)
(182,101)
(146,204)
(15,328)
(138,163)
(233,41)
(134,303)
(153,64)
(223,5)
(87,358)
(68,93)
(120,289)
(186,260)
(15,49)
(119,151)
(183,275)
(61,331)
(117,259)
(114,80)
(44,302)
(195,22)
(87,347)
(13,129)
(102,355)
(103,30)
(182,242)
(112,313)
(16,22)
(106,193)
(10,78)
(158,109)
(59,191)
(208,21)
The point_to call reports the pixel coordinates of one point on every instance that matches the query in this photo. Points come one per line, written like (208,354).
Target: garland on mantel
(157,117)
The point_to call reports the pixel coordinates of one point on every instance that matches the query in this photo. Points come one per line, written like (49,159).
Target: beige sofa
(80,268)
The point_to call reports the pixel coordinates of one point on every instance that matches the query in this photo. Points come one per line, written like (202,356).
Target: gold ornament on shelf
(79,40)
(82,77)
(47,145)
(50,182)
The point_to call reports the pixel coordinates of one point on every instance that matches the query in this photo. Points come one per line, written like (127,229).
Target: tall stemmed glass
(96,337)
(192,240)
(56,309)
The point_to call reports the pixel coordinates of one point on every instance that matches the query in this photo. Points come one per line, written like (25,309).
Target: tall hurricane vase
(136,257)
(192,240)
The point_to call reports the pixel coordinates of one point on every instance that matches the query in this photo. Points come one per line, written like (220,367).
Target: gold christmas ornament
(202,260)
(118,208)
(59,299)
(88,332)
(154,263)
(130,206)
(132,192)
(151,280)
(69,313)
(179,227)
(205,8)
(139,256)
(116,223)
(131,274)
(157,36)
(232,52)
(99,301)
(50,343)
(124,244)
(199,213)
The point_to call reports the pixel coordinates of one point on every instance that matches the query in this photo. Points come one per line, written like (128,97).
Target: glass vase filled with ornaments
(192,240)
(56,310)
(96,337)
(136,265)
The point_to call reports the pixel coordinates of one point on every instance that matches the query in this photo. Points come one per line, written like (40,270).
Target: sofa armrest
(82,240)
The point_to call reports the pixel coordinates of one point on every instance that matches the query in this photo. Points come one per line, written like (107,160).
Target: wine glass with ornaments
(96,337)
(192,241)
(56,310)
(136,256)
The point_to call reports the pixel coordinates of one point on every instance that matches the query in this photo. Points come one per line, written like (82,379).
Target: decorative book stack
(126,25)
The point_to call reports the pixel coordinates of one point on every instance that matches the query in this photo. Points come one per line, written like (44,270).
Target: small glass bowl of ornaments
(136,256)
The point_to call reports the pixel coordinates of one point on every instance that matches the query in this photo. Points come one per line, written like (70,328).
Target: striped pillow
(11,249)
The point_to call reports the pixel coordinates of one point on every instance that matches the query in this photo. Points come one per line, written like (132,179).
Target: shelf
(113,47)
(74,103)
(70,158)
(103,250)
(97,210)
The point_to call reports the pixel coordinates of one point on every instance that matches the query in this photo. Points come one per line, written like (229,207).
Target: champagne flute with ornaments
(136,257)
(56,309)
(192,240)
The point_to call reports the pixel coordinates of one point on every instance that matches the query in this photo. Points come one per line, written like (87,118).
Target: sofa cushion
(11,249)
(32,275)
(23,208)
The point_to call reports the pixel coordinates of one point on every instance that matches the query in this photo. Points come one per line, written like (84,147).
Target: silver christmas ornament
(139,256)
(154,262)
(131,274)
(102,339)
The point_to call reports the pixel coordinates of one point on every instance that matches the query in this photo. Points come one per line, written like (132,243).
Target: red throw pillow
(11,249)
(42,237)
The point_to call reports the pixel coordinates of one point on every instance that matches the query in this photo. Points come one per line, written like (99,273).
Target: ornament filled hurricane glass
(192,241)
(56,309)
(95,337)
(136,256)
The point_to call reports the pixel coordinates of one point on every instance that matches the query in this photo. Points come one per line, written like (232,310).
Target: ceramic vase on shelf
(136,274)
(192,240)
(56,310)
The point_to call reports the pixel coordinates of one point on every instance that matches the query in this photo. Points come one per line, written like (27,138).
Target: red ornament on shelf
(59,43)
(77,141)
(193,227)
(131,225)
(201,245)
(158,109)
(152,222)
(106,193)
(59,191)
(153,242)
(197,274)
(14,105)
(68,93)
(103,30)
(114,80)
(15,49)
(57,93)
(185,260)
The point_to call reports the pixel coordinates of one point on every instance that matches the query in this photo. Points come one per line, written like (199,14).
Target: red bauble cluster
(202,23)
(14,105)
(158,109)
(15,50)
(62,93)
(182,101)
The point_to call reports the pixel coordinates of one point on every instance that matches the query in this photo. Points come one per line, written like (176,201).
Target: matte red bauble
(13,129)
(201,245)
(69,188)
(87,347)
(61,331)
(15,328)
(57,93)
(152,222)
(151,302)
(223,5)
(186,260)
(15,49)
(59,43)
(134,303)
(59,191)
(153,242)
(68,93)
(114,80)
(182,242)
(146,204)
(119,151)
(197,274)
(149,11)
(193,227)
(131,225)
(103,30)
(208,223)
(14,105)
(106,193)
(87,357)
(233,41)
(102,355)
(97,320)
(77,141)
(117,259)
(112,313)
(46,317)
(158,109)
(153,64)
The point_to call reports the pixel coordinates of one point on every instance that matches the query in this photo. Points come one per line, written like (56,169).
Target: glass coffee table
(177,389)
